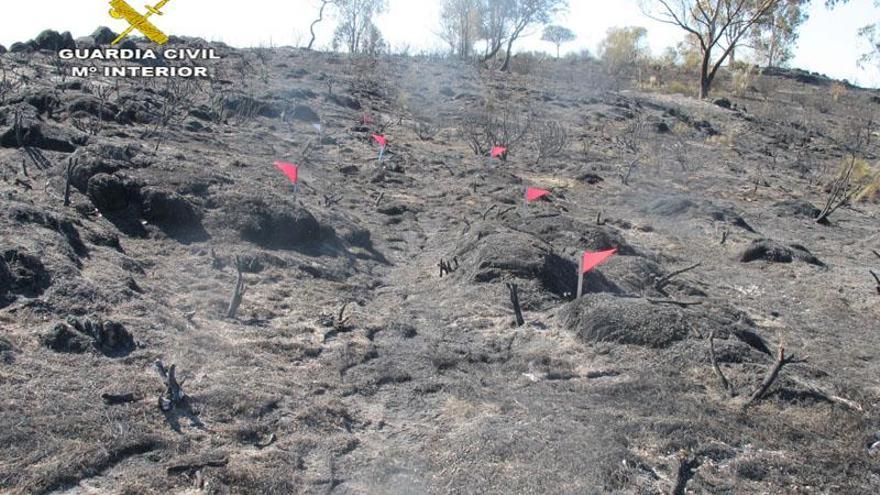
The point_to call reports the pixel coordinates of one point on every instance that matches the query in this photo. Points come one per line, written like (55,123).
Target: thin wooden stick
(720,374)
(514,300)
(674,302)
(770,377)
(663,282)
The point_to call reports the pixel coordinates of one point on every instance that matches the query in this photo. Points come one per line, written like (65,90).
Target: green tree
(558,35)
(356,30)
(460,25)
(623,48)
(712,22)
(774,38)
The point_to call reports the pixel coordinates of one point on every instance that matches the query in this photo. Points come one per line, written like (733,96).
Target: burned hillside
(177,314)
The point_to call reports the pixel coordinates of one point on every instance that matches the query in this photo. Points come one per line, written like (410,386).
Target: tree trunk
(506,66)
(317,21)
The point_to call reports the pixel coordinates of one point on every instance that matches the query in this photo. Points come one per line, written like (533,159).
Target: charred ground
(423,385)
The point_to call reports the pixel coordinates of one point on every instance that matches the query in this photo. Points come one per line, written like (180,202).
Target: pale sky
(828,43)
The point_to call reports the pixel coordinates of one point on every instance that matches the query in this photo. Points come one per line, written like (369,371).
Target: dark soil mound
(637,321)
(78,336)
(170,211)
(274,225)
(605,318)
(22,274)
(774,252)
(490,254)
(112,193)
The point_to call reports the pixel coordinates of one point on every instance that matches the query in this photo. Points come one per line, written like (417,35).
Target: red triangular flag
(592,260)
(534,194)
(498,151)
(381,140)
(289,169)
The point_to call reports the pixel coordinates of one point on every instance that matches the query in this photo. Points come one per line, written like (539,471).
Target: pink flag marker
(590,261)
(382,140)
(534,194)
(290,170)
(497,151)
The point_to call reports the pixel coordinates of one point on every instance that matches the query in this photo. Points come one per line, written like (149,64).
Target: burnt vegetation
(178,315)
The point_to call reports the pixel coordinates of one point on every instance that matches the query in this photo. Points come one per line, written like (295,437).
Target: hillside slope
(426,386)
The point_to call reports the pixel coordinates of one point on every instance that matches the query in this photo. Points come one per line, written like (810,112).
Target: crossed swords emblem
(122,10)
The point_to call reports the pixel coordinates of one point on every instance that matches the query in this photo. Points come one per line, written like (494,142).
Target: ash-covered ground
(425,385)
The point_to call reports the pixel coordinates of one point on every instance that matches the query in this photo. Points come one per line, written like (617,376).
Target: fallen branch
(599,220)
(489,210)
(875,253)
(173,392)
(663,282)
(720,374)
(770,377)
(877,278)
(724,236)
(674,302)
(504,212)
(379,199)
(826,394)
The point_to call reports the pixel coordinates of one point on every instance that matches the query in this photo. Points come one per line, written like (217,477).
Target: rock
(774,252)
(2,49)
(104,36)
(663,128)
(109,193)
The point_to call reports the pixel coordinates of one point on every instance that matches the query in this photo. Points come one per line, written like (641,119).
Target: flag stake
(580,291)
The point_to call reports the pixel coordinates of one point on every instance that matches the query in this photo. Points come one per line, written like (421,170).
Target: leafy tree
(460,25)
(506,21)
(711,22)
(558,35)
(773,40)
(524,15)
(623,48)
(356,31)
